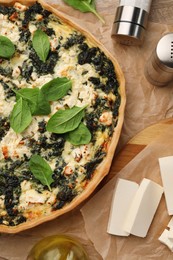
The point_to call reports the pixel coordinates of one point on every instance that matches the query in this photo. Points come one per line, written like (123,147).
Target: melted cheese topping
(69,166)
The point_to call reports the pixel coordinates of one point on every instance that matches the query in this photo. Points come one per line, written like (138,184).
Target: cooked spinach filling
(71,55)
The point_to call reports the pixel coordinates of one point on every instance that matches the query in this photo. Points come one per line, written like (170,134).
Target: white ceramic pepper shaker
(131,21)
(159,67)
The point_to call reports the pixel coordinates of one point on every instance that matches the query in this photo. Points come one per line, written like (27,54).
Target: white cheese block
(170,234)
(170,224)
(123,195)
(143,208)
(165,240)
(166,170)
(167,235)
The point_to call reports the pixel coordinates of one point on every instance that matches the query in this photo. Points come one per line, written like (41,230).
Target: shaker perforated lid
(159,68)
(164,52)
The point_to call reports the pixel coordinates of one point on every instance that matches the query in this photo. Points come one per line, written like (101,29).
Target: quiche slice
(61,112)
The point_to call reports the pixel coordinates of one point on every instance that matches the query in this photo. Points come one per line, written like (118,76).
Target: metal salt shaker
(159,67)
(131,21)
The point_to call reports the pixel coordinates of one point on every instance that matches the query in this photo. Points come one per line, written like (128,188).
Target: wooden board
(137,144)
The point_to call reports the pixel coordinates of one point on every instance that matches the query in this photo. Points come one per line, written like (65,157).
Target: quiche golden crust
(106,119)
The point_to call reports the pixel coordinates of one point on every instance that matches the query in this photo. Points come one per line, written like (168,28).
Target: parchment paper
(96,211)
(146,104)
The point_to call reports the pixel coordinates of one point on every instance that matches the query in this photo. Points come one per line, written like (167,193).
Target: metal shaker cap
(159,68)
(164,52)
(129,25)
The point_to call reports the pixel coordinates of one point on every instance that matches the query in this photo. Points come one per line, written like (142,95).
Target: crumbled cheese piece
(16,72)
(9,30)
(51,199)
(54,43)
(14,145)
(39,17)
(33,197)
(20,7)
(77,154)
(101,137)
(40,81)
(2,17)
(68,170)
(29,195)
(2,205)
(32,28)
(5,106)
(85,153)
(25,185)
(106,118)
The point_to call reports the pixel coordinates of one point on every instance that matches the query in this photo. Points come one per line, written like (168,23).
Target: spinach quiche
(62,102)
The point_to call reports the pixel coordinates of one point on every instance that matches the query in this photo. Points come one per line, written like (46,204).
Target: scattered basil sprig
(56,88)
(36,102)
(84,6)
(30,102)
(41,170)
(81,135)
(30,95)
(21,116)
(7,48)
(67,120)
(41,44)
(42,106)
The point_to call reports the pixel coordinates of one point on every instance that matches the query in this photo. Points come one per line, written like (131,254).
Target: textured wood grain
(136,145)
(162,11)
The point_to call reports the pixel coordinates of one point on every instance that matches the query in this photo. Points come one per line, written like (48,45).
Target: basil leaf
(56,88)
(84,6)
(64,121)
(37,101)
(41,170)
(7,48)
(30,95)
(41,44)
(21,116)
(42,106)
(81,135)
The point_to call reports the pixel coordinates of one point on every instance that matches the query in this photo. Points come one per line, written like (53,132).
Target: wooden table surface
(161,11)
(144,117)
(137,144)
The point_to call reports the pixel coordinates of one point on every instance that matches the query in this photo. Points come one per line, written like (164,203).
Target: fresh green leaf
(84,6)
(37,101)
(30,95)
(41,170)
(7,48)
(67,120)
(21,116)
(42,105)
(41,44)
(81,135)
(56,88)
